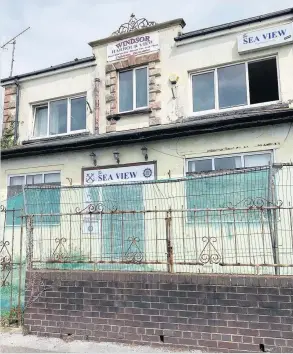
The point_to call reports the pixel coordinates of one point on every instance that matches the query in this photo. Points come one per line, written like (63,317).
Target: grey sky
(61,29)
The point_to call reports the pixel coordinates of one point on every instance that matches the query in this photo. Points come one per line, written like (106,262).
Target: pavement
(12,341)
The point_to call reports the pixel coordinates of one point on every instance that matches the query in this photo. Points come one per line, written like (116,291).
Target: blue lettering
(265,36)
(274,35)
(256,39)
(250,39)
(133,174)
(245,41)
(282,32)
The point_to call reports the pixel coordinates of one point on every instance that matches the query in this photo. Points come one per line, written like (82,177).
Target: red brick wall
(213,313)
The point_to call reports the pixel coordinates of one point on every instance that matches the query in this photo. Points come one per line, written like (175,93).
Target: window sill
(244,108)
(117,116)
(55,137)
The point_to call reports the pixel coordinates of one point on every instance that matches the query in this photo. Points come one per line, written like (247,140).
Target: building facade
(154,103)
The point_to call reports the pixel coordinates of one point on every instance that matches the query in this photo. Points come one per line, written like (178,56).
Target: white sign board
(144,43)
(100,176)
(265,37)
(132,173)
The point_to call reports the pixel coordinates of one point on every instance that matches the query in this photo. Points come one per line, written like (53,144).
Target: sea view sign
(144,43)
(132,173)
(265,37)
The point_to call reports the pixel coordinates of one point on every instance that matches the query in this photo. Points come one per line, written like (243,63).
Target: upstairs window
(60,117)
(133,89)
(236,85)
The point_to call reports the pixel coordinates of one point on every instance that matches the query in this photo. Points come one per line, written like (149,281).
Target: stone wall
(154,71)
(9,107)
(210,313)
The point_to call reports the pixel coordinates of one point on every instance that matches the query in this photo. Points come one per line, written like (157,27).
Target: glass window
(38,200)
(41,121)
(126,91)
(141,87)
(203,92)
(200,165)
(133,89)
(263,81)
(236,85)
(34,179)
(52,178)
(257,160)
(232,86)
(58,117)
(17,181)
(78,113)
(227,163)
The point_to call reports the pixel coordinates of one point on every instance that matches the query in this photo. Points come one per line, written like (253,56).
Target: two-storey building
(155,103)
(210,99)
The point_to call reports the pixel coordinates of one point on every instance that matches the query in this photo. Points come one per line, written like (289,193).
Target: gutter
(16,121)
(56,68)
(151,134)
(230,25)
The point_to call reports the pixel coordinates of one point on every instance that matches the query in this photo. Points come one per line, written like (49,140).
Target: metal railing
(251,240)
(218,222)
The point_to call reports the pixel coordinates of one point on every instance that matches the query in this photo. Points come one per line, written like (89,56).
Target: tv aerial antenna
(13,42)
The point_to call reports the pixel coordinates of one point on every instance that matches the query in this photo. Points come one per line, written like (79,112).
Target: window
(236,85)
(60,117)
(237,188)
(38,200)
(228,162)
(133,89)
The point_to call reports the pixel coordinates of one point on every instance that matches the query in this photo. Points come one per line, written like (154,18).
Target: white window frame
(47,104)
(134,108)
(216,89)
(31,174)
(241,155)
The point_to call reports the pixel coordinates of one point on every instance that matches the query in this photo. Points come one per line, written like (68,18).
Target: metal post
(30,240)
(272,219)
(170,260)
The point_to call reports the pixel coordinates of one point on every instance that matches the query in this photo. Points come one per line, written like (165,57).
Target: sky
(61,29)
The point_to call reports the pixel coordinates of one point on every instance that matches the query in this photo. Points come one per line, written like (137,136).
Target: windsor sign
(265,37)
(132,46)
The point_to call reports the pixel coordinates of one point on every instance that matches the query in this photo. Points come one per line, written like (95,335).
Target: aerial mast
(13,42)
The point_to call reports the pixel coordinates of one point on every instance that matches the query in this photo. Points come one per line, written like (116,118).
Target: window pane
(41,121)
(201,165)
(263,81)
(141,87)
(78,113)
(227,163)
(17,181)
(203,92)
(232,86)
(52,178)
(58,117)
(34,179)
(126,91)
(257,160)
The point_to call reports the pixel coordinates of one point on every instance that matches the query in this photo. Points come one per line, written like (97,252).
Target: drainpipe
(97,105)
(16,120)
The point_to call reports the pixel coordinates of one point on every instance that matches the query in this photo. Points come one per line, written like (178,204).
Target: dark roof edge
(158,26)
(51,68)
(151,134)
(230,25)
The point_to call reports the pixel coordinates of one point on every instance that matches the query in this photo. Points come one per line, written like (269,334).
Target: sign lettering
(267,37)
(145,172)
(133,46)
